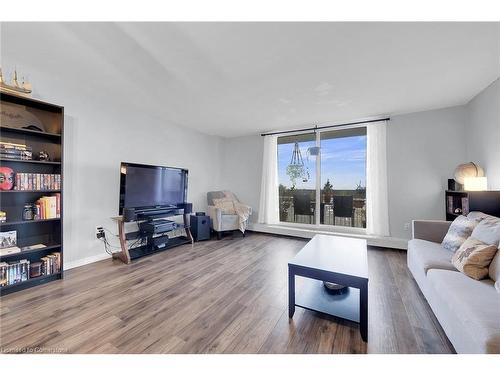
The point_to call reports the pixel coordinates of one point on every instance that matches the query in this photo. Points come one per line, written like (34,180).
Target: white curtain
(268,207)
(377,210)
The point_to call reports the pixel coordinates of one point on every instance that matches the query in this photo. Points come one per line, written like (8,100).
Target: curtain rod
(325,127)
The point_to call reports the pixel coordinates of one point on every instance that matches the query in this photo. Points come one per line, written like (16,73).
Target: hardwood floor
(225,296)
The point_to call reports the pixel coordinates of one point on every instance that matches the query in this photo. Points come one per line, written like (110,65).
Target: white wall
(242,169)
(423,150)
(98,135)
(483,132)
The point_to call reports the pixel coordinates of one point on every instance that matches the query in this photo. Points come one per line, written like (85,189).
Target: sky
(343,162)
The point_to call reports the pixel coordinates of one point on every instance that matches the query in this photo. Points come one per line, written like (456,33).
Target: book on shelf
(465,206)
(16,155)
(51,264)
(9,250)
(450,205)
(48,207)
(33,247)
(20,270)
(15,151)
(37,181)
(14,272)
(13,146)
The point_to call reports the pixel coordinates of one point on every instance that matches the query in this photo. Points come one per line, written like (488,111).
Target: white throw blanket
(243,211)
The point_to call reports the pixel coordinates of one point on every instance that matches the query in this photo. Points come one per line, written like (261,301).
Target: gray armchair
(220,222)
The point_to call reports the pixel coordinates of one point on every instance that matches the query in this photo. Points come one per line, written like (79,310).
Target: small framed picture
(8,239)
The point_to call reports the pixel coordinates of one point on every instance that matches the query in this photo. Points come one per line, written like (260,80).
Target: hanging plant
(294,171)
(296,168)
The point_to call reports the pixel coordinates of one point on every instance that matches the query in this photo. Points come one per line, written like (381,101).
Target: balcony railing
(327,215)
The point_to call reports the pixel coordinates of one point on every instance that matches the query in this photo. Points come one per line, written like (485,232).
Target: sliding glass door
(325,186)
(297,179)
(343,177)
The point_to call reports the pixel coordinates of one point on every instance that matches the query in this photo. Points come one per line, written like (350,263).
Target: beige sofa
(467,309)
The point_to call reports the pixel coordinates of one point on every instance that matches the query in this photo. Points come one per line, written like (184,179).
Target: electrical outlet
(99,232)
(406,227)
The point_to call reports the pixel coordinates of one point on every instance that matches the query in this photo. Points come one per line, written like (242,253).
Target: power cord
(108,247)
(101,236)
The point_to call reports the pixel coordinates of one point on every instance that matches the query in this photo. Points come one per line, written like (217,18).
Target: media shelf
(135,235)
(140,251)
(127,254)
(48,232)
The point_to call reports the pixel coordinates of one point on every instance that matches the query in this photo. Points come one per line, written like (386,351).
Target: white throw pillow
(477,215)
(497,286)
(459,231)
(488,230)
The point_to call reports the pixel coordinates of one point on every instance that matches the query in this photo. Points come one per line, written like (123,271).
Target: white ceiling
(233,79)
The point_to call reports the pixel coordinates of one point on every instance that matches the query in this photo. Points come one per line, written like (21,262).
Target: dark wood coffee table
(340,260)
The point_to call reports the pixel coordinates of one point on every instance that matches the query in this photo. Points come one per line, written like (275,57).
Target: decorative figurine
(28,212)
(44,156)
(6,178)
(23,88)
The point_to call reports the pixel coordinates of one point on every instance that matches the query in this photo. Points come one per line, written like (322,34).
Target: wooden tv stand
(127,255)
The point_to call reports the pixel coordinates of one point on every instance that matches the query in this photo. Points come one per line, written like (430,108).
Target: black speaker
(129,214)
(200,227)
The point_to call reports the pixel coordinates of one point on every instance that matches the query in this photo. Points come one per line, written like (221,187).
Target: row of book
(22,270)
(15,151)
(14,272)
(47,207)
(51,264)
(461,203)
(37,181)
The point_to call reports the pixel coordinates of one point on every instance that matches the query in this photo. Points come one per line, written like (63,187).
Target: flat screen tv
(150,186)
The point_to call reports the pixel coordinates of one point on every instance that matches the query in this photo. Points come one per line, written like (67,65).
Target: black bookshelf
(23,222)
(30,253)
(31,283)
(466,201)
(48,232)
(29,191)
(30,161)
(7,129)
